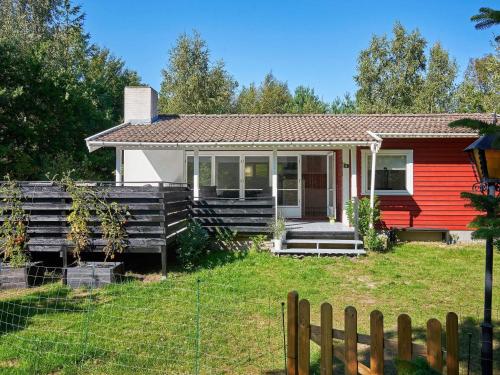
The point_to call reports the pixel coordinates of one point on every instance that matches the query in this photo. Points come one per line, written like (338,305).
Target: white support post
(354,179)
(345,184)
(274,168)
(196,175)
(374,148)
(119,166)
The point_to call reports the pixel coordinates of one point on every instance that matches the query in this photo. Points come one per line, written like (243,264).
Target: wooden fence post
(452,344)
(404,338)
(326,366)
(351,340)
(304,336)
(434,351)
(376,343)
(292,312)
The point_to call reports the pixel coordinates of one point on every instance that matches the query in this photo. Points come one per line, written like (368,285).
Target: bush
(193,244)
(374,241)
(258,243)
(364,214)
(277,228)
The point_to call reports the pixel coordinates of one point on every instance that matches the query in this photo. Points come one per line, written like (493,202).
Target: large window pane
(205,170)
(288,193)
(256,176)
(288,167)
(390,172)
(227,176)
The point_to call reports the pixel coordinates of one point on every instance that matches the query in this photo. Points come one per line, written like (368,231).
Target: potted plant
(278,230)
(87,201)
(15,269)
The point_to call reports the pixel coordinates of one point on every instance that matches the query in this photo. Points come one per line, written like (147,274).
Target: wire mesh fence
(176,326)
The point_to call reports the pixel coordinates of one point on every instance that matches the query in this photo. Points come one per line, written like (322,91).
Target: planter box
(94,274)
(20,277)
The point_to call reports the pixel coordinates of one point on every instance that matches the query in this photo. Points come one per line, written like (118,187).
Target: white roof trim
(425,135)
(94,145)
(89,140)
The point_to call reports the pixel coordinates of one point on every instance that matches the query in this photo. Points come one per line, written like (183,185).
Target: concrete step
(337,235)
(324,241)
(320,251)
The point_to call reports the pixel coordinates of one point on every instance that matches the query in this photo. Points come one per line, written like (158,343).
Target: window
(393,172)
(205,170)
(257,176)
(288,182)
(227,176)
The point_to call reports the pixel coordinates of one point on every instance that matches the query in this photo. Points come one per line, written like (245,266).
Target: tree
(487,17)
(390,72)
(306,101)
(191,84)
(480,89)
(343,105)
(55,90)
(436,94)
(271,96)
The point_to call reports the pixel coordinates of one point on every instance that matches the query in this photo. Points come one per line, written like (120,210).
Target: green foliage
(277,228)
(343,105)
(486,225)
(258,243)
(193,245)
(191,83)
(55,89)
(364,214)
(306,101)
(85,201)
(13,233)
(390,72)
(479,91)
(487,17)
(436,94)
(271,96)
(374,241)
(226,239)
(418,366)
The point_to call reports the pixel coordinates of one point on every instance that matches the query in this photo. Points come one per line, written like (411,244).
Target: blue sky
(315,43)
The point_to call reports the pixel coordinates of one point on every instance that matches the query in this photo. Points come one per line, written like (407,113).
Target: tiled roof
(286,128)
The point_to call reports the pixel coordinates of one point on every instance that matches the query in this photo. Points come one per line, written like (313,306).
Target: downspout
(374,148)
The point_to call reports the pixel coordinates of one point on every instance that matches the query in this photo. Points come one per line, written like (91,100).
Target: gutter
(94,145)
(424,135)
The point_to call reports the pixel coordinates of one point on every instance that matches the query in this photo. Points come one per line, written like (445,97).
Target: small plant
(277,228)
(193,243)
(365,213)
(113,219)
(418,366)
(225,239)
(374,241)
(331,219)
(258,243)
(13,234)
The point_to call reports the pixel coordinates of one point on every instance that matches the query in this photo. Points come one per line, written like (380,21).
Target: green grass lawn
(230,321)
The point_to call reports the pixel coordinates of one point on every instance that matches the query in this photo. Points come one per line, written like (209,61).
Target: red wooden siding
(441,171)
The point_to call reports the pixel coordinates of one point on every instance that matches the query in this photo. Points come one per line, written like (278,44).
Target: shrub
(193,244)
(277,228)
(258,243)
(374,241)
(225,239)
(13,233)
(364,214)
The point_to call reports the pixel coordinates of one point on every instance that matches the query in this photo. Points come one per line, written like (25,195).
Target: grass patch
(230,322)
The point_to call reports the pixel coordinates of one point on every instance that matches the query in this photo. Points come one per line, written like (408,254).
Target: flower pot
(332,221)
(94,274)
(278,244)
(20,277)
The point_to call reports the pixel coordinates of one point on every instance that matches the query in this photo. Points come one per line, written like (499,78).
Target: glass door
(314,186)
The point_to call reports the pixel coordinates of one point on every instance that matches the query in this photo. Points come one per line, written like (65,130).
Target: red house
(312,165)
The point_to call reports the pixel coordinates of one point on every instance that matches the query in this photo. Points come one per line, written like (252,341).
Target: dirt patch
(9,363)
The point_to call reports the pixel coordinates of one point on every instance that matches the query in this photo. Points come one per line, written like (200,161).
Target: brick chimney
(141,105)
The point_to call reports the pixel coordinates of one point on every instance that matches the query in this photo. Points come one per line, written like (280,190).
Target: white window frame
(365,189)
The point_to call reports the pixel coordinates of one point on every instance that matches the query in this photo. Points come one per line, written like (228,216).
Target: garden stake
(283,329)
(198,337)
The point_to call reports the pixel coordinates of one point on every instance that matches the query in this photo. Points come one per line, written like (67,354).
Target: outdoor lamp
(484,154)
(485,157)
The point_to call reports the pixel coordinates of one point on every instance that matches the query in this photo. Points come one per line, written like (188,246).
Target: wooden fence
(301,332)
(158,212)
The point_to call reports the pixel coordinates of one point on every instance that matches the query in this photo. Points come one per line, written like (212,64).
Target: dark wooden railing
(243,216)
